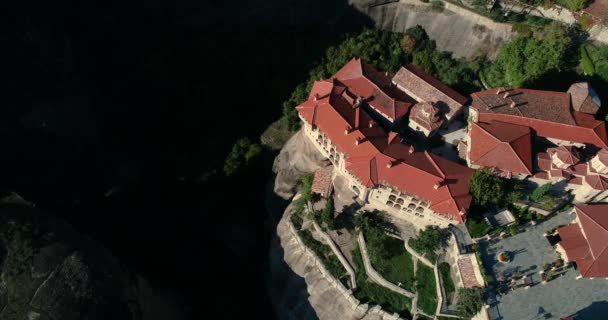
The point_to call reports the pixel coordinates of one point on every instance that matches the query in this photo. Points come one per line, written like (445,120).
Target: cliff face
(50,272)
(453,28)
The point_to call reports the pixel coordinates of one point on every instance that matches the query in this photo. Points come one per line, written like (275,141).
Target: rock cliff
(50,272)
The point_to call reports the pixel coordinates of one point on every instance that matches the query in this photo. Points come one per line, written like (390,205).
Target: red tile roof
(425,114)
(597,182)
(598,9)
(567,154)
(321,182)
(547,112)
(500,145)
(375,88)
(368,153)
(584,98)
(425,88)
(586,242)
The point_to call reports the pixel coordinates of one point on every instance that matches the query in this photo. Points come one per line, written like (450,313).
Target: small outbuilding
(322,181)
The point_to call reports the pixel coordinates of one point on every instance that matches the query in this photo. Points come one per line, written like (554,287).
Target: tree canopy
(470,301)
(525,59)
(486,187)
(242,153)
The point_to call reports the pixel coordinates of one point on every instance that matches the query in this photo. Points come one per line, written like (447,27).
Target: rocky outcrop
(297,158)
(455,29)
(50,272)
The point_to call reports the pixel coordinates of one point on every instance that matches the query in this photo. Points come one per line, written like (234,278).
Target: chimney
(389,164)
(512,104)
(357,118)
(437,185)
(506,95)
(411,149)
(316,97)
(371,123)
(357,141)
(347,130)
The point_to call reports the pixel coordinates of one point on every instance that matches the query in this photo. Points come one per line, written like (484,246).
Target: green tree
(428,240)
(574,5)
(525,59)
(538,193)
(586,62)
(242,153)
(327,215)
(423,59)
(470,301)
(486,187)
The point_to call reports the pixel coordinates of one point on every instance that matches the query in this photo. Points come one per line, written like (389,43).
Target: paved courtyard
(561,297)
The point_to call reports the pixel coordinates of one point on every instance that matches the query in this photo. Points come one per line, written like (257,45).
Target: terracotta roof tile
(547,112)
(586,242)
(321,182)
(584,98)
(426,115)
(375,87)
(368,150)
(501,145)
(424,88)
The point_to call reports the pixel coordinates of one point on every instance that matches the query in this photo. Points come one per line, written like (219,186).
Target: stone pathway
(558,298)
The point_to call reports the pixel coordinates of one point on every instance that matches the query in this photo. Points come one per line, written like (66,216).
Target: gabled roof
(597,182)
(369,151)
(500,145)
(425,88)
(547,112)
(374,87)
(586,242)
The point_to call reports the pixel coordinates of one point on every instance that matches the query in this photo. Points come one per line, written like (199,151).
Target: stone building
(584,242)
(505,123)
(379,168)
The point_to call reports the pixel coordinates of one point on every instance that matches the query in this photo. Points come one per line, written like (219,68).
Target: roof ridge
(426,153)
(599,225)
(517,154)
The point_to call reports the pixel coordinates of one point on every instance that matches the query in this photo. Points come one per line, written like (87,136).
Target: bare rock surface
(297,158)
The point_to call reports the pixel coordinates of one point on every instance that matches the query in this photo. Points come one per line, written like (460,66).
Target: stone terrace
(560,297)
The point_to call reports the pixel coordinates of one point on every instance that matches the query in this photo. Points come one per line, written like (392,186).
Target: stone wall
(338,254)
(347,294)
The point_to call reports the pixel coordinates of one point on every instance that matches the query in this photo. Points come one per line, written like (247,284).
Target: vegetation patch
(446,278)
(324,252)
(470,302)
(369,292)
(387,254)
(428,242)
(242,154)
(477,226)
(426,288)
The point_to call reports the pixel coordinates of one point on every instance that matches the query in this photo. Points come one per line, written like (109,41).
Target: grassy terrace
(389,257)
(427,292)
(369,292)
(448,284)
(323,251)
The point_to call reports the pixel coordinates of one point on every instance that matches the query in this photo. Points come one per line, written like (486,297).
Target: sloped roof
(321,182)
(584,98)
(425,88)
(369,150)
(597,182)
(547,112)
(567,154)
(505,146)
(426,115)
(586,242)
(374,87)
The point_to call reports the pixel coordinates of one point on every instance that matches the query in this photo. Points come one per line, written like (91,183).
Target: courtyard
(563,296)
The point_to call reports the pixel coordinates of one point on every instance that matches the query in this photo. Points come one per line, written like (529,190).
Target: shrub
(427,242)
(327,215)
(540,192)
(446,277)
(486,187)
(477,227)
(426,288)
(242,153)
(469,302)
